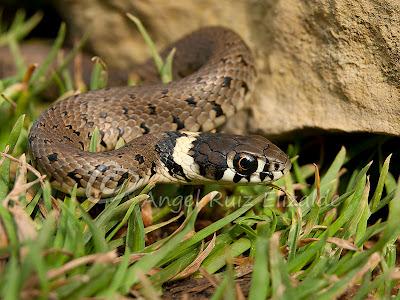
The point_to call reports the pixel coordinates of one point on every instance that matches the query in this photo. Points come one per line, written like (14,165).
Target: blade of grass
(40,72)
(5,167)
(381,183)
(259,288)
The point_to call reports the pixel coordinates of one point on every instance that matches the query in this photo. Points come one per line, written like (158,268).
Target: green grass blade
(259,288)
(5,167)
(98,78)
(94,140)
(135,238)
(166,70)
(149,42)
(374,203)
(39,76)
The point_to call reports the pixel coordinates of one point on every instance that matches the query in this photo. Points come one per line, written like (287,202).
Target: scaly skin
(214,74)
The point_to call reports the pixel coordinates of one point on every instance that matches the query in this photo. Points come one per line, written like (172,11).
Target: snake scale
(166,127)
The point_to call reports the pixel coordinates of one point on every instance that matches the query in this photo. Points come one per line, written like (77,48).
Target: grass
(320,240)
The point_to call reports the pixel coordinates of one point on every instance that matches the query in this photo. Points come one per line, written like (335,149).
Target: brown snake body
(214,74)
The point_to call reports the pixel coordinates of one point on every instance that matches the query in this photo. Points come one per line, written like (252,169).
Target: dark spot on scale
(46,141)
(103,143)
(64,113)
(102,168)
(266,166)
(191,101)
(145,128)
(74,175)
(67,138)
(139,158)
(77,132)
(218,174)
(227,81)
(276,166)
(121,132)
(31,138)
(52,157)
(165,149)
(103,115)
(90,124)
(152,109)
(124,177)
(198,79)
(132,95)
(224,60)
(153,169)
(54,126)
(164,91)
(263,175)
(82,145)
(124,110)
(217,108)
(68,126)
(245,87)
(178,122)
(237,178)
(202,170)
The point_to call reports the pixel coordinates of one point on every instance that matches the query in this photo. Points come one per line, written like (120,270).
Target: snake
(167,130)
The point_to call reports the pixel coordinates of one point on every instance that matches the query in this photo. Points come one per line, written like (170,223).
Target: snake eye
(245,164)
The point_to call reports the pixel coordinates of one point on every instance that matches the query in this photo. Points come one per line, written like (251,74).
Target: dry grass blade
(206,199)
(341,243)
(239,292)
(200,205)
(3,239)
(28,166)
(214,281)
(28,75)
(162,224)
(148,290)
(372,262)
(3,158)
(9,100)
(195,265)
(21,185)
(78,73)
(101,258)
(26,228)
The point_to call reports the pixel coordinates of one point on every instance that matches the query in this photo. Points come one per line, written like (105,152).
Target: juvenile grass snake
(166,127)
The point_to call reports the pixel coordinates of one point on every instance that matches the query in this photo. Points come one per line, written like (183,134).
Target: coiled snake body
(165,126)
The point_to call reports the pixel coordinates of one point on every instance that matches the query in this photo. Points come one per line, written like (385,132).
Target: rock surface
(323,64)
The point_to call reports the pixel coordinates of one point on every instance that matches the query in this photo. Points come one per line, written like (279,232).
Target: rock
(331,65)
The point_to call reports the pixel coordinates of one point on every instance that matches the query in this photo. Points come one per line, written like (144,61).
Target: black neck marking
(165,149)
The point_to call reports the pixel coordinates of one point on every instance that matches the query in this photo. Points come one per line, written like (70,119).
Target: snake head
(226,158)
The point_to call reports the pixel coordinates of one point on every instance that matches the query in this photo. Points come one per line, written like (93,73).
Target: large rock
(328,64)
